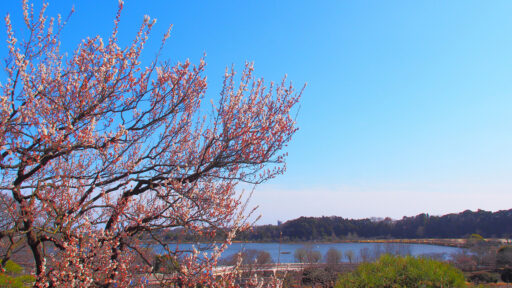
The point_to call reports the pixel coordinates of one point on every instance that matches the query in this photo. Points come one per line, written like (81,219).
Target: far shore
(450,242)
(457,242)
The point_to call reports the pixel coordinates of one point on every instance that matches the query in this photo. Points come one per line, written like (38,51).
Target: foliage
(97,150)
(306,254)
(369,254)
(481,254)
(475,238)
(504,262)
(397,271)
(324,276)
(333,256)
(483,277)
(484,252)
(488,224)
(166,264)
(12,268)
(7,281)
(264,258)
(464,261)
(506,275)
(11,277)
(247,257)
(366,255)
(315,276)
(504,256)
(292,279)
(350,256)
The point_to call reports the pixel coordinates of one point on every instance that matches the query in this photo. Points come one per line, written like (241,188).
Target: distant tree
(300,255)
(504,257)
(464,261)
(264,257)
(306,254)
(504,263)
(365,254)
(315,257)
(458,225)
(434,256)
(333,256)
(396,249)
(483,251)
(349,254)
(475,238)
(352,236)
(248,257)
(420,231)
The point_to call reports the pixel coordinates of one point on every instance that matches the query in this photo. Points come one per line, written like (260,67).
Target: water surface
(359,250)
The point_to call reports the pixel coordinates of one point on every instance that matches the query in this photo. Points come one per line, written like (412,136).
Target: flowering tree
(97,151)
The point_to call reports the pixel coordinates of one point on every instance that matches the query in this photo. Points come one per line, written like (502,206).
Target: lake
(359,249)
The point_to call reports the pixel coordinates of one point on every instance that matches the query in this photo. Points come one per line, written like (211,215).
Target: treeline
(333,228)
(485,223)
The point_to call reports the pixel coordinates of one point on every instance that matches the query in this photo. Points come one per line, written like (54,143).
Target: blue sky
(407,108)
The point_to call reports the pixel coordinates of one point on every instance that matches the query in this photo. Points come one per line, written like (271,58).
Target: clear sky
(408,104)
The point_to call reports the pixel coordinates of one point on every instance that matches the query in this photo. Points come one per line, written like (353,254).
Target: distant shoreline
(458,242)
(448,242)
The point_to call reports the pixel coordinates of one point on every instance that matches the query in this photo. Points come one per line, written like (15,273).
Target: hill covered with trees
(486,223)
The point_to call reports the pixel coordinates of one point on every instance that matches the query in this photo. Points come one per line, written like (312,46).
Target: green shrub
(397,272)
(11,277)
(12,268)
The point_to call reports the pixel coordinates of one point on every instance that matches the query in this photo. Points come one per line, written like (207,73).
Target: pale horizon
(359,204)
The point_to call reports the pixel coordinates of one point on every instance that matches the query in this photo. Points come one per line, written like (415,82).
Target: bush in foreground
(396,271)
(12,276)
